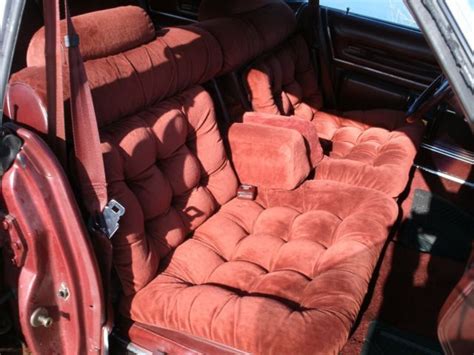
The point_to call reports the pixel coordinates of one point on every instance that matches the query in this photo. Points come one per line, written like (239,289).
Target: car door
(376,63)
(49,264)
(377,57)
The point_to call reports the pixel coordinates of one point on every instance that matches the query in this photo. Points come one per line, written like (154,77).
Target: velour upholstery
(267,156)
(209,9)
(105,33)
(167,166)
(374,148)
(285,274)
(284,82)
(305,128)
(248,34)
(165,160)
(365,155)
(180,57)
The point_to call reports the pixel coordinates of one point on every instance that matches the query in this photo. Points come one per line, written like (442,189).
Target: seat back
(164,158)
(280,78)
(246,29)
(284,82)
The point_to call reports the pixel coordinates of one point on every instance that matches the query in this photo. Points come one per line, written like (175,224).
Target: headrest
(246,29)
(102,33)
(126,83)
(210,9)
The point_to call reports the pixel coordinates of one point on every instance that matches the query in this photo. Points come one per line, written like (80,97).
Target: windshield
(10,16)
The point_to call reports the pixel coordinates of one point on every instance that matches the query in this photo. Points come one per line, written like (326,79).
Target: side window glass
(393,11)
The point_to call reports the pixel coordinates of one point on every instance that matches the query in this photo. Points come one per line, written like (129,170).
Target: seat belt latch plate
(111,217)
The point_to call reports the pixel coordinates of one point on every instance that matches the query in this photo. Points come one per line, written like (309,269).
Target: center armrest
(268,157)
(306,128)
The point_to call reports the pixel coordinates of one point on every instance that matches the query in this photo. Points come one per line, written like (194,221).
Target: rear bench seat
(373,148)
(285,273)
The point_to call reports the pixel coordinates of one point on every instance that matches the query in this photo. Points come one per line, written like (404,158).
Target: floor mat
(438,227)
(385,340)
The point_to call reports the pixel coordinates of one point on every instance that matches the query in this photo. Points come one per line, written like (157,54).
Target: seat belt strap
(89,160)
(54,81)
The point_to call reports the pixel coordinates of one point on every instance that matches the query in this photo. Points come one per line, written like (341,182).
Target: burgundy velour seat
(285,273)
(373,148)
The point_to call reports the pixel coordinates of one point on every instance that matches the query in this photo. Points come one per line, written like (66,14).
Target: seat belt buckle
(247,192)
(108,221)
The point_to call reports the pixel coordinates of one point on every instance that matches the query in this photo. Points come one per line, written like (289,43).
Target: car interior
(294,178)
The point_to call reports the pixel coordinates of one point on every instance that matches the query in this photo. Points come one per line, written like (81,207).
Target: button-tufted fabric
(365,155)
(285,274)
(168,167)
(375,148)
(284,82)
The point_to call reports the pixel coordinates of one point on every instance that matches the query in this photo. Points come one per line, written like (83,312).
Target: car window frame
(441,34)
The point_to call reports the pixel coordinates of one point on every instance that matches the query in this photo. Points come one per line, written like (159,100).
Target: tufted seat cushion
(167,165)
(367,155)
(285,274)
(373,148)
(331,125)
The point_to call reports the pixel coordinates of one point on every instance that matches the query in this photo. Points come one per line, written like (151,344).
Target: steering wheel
(435,93)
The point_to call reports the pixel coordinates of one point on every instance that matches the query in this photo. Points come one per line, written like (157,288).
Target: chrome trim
(446,176)
(131,348)
(177,17)
(135,349)
(105,340)
(447,152)
(381,73)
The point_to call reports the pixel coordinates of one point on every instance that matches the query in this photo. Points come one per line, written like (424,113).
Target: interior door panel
(59,300)
(376,63)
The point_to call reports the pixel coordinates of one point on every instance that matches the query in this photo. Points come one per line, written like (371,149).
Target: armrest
(306,128)
(268,157)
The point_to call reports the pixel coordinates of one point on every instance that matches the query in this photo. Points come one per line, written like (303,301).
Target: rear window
(393,11)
